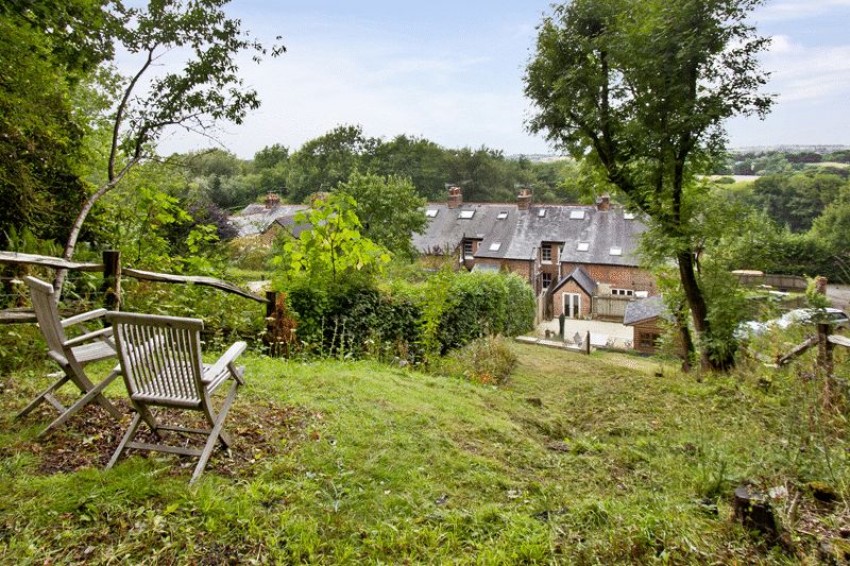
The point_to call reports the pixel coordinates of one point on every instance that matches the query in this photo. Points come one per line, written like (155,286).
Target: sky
(451,72)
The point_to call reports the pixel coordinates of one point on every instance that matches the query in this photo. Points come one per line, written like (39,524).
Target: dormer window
(546,254)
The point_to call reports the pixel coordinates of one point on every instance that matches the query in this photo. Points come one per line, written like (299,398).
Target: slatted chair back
(72,355)
(161,358)
(161,361)
(47,313)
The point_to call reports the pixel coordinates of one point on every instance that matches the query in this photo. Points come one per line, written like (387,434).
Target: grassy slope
(576,459)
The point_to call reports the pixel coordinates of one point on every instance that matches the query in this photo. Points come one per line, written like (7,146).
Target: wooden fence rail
(111,288)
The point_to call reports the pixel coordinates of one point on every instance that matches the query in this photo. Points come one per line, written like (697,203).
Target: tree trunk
(709,359)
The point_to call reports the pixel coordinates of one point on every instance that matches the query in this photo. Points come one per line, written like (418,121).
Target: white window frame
(572,305)
(543,276)
(623,292)
(544,251)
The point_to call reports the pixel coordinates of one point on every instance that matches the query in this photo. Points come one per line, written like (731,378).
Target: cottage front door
(572,305)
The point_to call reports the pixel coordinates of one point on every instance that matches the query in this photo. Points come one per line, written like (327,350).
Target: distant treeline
(484,174)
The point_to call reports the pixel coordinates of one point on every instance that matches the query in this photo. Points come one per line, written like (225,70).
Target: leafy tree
(424,162)
(388,208)
(272,165)
(796,199)
(48,50)
(334,248)
(324,162)
(205,90)
(640,88)
(485,175)
(271,156)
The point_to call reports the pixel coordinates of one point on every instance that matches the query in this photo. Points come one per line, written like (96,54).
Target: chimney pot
(455,197)
(523,199)
(603,203)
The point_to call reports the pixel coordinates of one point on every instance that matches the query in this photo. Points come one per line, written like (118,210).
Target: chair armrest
(227,359)
(88,337)
(76,319)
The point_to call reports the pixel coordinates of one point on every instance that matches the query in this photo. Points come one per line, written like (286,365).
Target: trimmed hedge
(357,319)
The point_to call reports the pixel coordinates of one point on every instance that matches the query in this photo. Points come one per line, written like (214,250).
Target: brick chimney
(523,199)
(603,203)
(272,200)
(455,197)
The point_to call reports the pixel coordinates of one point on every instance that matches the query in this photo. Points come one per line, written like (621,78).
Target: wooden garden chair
(72,355)
(161,361)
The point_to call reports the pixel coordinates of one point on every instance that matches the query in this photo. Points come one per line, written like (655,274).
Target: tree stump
(754,512)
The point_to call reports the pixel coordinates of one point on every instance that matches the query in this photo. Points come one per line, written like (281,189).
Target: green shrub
(481,304)
(487,360)
(354,319)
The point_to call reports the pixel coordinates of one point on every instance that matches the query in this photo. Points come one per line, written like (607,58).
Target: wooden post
(587,343)
(111,286)
(825,347)
(270,337)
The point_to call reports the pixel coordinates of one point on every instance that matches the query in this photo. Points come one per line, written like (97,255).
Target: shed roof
(645,309)
(257,217)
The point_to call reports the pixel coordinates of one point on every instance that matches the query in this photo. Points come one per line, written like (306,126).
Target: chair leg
(46,395)
(215,434)
(128,436)
(83,401)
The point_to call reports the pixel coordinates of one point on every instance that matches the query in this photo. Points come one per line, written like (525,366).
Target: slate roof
(447,229)
(520,234)
(582,279)
(256,218)
(294,228)
(645,309)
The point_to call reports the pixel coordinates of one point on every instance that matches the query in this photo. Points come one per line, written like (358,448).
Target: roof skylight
(616,251)
(629,215)
(541,213)
(466,214)
(583,246)
(431,212)
(576,214)
(502,215)
(495,246)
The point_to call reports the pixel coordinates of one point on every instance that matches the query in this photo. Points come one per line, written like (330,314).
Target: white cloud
(797,9)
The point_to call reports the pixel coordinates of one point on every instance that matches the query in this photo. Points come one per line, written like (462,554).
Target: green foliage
(334,247)
(482,304)
(323,163)
(727,309)
(388,209)
(489,360)
(797,199)
(44,54)
(351,318)
(599,94)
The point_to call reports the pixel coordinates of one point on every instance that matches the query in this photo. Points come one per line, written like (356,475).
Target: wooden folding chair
(161,361)
(72,355)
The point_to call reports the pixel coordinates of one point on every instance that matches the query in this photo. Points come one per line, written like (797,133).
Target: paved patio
(601,333)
